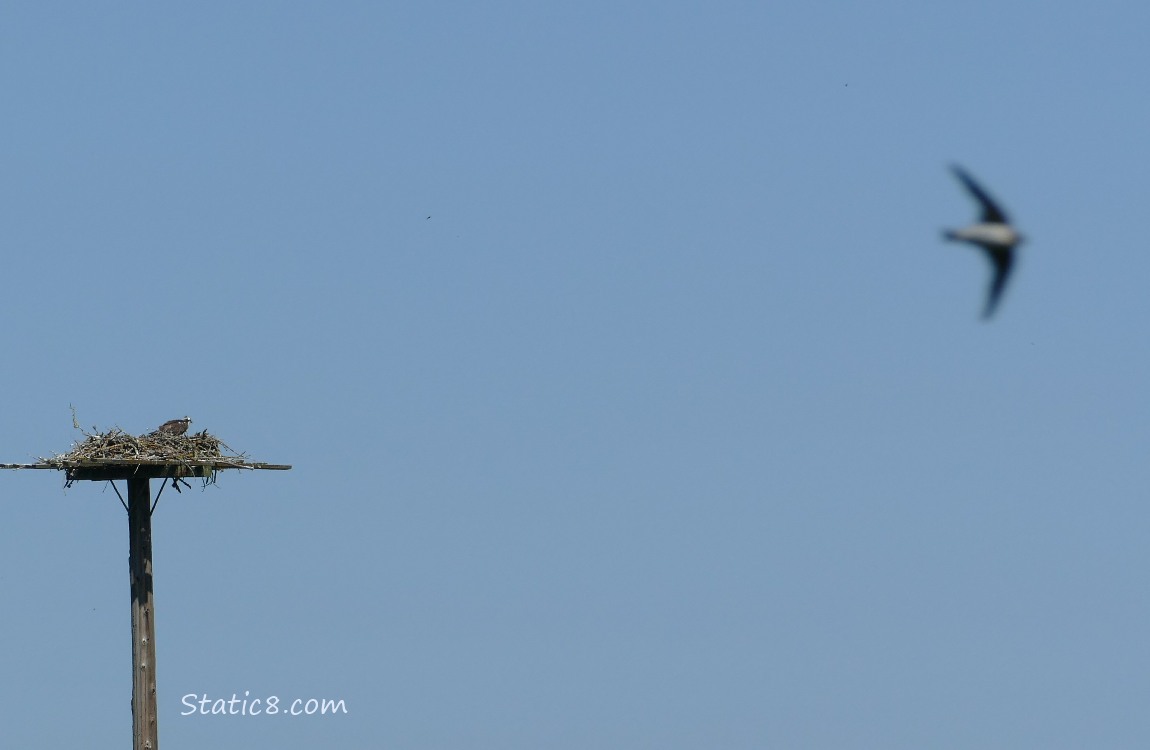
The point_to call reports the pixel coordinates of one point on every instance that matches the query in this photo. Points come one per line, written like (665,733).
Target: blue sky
(632,395)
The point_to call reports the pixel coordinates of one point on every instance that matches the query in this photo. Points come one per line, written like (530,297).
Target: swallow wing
(991,213)
(1002,260)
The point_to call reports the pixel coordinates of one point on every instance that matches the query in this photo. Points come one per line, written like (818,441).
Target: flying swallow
(993,234)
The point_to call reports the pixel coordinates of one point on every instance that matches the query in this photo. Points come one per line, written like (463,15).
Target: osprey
(175,426)
(993,234)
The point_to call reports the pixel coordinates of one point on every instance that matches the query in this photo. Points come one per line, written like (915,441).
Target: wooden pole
(144,717)
(137,472)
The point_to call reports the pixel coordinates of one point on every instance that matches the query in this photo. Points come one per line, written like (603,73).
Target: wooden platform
(103,469)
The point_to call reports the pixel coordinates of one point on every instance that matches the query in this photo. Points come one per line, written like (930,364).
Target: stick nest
(117,445)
